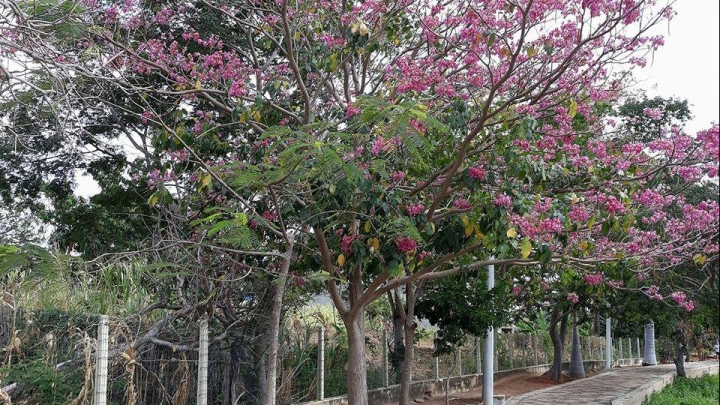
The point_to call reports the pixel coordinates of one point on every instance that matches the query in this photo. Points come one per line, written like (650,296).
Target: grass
(686,391)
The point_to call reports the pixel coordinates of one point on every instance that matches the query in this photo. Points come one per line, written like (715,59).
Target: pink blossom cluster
(681,299)
(379,145)
(543,205)
(653,292)
(503,200)
(654,113)
(579,213)
(462,204)
(415,209)
(477,173)
(573,297)
(397,176)
(405,244)
(269,215)
(551,225)
(178,156)
(424,254)
(156,177)
(593,279)
(516,290)
(347,242)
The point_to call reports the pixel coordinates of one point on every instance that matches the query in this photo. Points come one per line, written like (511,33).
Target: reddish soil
(509,386)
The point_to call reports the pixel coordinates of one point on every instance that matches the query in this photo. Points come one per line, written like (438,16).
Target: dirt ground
(509,386)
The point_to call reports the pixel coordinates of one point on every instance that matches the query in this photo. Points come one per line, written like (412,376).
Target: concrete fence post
(458,360)
(478,356)
(535,348)
(101,362)
(202,382)
(511,349)
(637,345)
(437,359)
(321,362)
(649,359)
(385,365)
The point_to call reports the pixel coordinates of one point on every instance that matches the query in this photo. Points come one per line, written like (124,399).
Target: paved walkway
(623,386)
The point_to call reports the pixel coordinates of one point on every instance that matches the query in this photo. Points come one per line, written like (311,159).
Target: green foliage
(41,383)
(461,305)
(701,391)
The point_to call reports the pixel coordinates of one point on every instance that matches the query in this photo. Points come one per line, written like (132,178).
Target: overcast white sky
(688,66)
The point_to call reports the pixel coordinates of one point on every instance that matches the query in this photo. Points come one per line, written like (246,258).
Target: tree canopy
(376,144)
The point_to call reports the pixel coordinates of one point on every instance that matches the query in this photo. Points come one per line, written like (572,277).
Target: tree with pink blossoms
(389,143)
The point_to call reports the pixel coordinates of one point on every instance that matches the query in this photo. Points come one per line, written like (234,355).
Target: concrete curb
(519,398)
(645,391)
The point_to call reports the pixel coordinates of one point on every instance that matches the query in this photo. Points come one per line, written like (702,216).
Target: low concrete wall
(418,389)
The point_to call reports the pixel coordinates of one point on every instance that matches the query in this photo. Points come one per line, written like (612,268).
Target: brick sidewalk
(619,386)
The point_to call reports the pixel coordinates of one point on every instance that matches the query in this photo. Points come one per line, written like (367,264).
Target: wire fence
(312,363)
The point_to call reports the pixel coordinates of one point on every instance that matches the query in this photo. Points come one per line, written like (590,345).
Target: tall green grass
(687,391)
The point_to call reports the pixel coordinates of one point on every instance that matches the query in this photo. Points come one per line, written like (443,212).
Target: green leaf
(220,226)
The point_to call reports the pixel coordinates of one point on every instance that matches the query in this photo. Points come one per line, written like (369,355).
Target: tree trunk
(558,341)
(269,394)
(576,368)
(356,367)
(397,351)
(680,358)
(409,326)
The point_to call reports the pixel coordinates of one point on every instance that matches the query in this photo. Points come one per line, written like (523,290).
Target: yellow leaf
(153,200)
(341,260)
(511,233)
(205,181)
(700,259)
(591,222)
(363,29)
(584,245)
(573,108)
(368,226)
(526,248)
(198,85)
(256,115)
(469,230)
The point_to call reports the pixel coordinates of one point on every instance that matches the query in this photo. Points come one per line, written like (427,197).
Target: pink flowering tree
(388,143)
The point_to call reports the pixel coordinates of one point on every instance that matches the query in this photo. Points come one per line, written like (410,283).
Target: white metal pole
(101,362)
(386,367)
(608,344)
(488,376)
(202,393)
(321,362)
(478,356)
